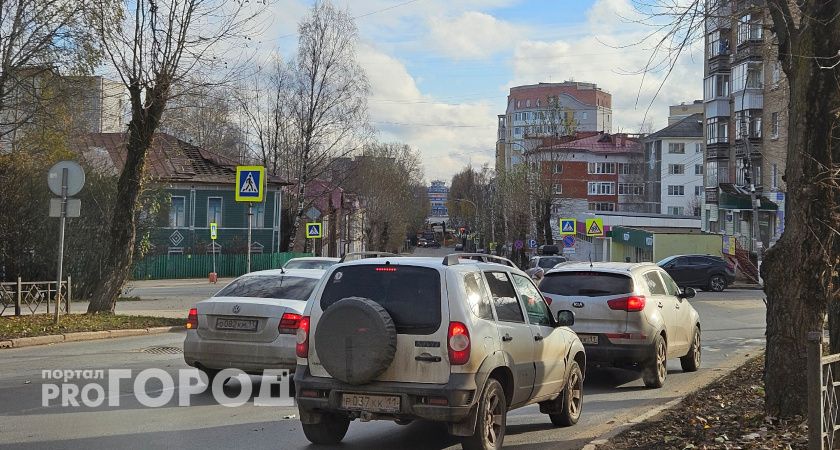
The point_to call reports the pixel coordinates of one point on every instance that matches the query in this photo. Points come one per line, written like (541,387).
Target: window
(538,313)
(504,298)
(586,284)
(477,296)
(698,190)
(749,123)
(601,188)
(775,180)
(538,103)
(676,169)
(558,167)
(676,190)
(716,86)
(748,75)
(676,210)
(654,283)
(749,29)
(558,188)
(258,217)
(517,131)
(631,189)
(698,148)
(528,103)
(214,210)
(676,148)
(177,212)
(601,168)
(718,44)
(275,287)
(518,104)
(601,206)
(698,169)
(584,115)
(777,73)
(774,125)
(670,287)
(629,169)
(717,130)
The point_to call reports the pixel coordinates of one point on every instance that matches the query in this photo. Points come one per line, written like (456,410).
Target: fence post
(815,406)
(18,297)
(69,298)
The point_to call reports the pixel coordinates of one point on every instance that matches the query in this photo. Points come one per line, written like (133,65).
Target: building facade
(745,111)
(438,196)
(674,168)
(549,109)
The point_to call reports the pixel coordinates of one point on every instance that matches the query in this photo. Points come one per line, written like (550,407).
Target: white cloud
(472,35)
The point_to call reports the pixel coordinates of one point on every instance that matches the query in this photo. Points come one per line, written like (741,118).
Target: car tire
(717,283)
(691,361)
(492,417)
(329,431)
(656,370)
(571,398)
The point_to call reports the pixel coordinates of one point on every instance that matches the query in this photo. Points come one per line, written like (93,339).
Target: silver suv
(454,340)
(628,314)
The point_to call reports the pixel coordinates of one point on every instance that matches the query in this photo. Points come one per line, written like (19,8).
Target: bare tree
(154,45)
(807,33)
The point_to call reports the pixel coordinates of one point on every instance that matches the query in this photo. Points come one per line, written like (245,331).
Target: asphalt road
(733,327)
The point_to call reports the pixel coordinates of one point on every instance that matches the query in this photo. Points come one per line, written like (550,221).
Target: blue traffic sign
(518,245)
(532,243)
(568,226)
(568,241)
(250,184)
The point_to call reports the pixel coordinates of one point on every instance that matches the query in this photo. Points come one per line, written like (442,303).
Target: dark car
(707,272)
(459,247)
(549,250)
(433,244)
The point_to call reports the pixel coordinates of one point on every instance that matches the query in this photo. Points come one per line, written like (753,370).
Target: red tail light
(458,340)
(547,300)
(192,319)
(631,304)
(302,346)
(386,269)
(289,323)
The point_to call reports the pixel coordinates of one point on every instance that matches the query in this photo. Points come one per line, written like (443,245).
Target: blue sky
(440,69)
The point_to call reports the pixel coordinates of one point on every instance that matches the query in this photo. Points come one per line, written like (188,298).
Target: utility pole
(749,178)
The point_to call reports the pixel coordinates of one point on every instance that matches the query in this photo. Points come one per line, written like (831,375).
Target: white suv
(454,340)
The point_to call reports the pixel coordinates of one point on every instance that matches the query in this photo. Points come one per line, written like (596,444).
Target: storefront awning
(734,197)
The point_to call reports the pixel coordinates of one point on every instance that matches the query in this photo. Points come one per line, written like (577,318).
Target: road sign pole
(62,217)
(250,213)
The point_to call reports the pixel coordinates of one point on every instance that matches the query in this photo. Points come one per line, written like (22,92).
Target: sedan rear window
(587,284)
(411,295)
(263,286)
(548,263)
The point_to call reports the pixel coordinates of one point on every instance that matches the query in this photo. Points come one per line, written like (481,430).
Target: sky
(440,70)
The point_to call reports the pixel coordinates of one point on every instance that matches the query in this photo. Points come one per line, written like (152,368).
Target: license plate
(236,324)
(371,403)
(588,339)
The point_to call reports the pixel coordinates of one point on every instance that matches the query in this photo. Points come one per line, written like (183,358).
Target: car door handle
(507,338)
(538,338)
(427,358)
(659,304)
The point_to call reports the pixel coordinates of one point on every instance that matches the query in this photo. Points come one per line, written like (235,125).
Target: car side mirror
(687,293)
(565,318)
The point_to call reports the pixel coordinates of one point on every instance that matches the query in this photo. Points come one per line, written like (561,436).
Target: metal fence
(822,395)
(25,297)
(166,267)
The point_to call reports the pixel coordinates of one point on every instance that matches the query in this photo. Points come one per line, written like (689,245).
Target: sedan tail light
(630,304)
(302,346)
(192,319)
(289,323)
(458,340)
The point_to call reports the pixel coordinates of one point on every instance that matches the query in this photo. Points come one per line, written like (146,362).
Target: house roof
(169,159)
(599,143)
(689,127)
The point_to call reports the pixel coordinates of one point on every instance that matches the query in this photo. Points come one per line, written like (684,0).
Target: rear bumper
(609,352)
(460,393)
(243,355)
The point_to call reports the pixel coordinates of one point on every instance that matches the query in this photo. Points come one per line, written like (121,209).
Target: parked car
(459,247)
(538,265)
(433,244)
(251,324)
(310,262)
(447,340)
(548,250)
(422,243)
(628,315)
(707,272)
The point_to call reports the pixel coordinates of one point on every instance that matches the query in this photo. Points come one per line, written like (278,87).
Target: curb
(85,336)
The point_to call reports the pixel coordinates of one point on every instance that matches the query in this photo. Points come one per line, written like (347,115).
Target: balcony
(741,148)
(719,150)
(717,107)
(712,194)
(720,63)
(749,50)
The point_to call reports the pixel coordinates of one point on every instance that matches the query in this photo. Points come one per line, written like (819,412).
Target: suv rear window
(411,295)
(588,284)
(264,286)
(548,263)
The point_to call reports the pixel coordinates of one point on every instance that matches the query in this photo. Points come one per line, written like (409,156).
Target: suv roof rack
(454,258)
(352,256)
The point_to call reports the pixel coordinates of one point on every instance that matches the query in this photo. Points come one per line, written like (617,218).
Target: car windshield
(308,264)
(411,295)
(265,286)
(665,261)
(587,284)
(547,263)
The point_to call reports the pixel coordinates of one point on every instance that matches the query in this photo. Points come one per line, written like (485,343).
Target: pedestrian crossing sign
(568,226)
(313,230)
(250,184)
(594,227)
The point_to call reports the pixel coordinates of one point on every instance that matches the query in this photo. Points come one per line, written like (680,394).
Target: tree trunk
(797,296)
(546,220)
(296,244)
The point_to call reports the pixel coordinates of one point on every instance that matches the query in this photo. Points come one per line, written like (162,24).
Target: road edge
(85,336)
(603,440)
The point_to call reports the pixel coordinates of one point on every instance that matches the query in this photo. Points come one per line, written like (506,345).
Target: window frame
(221,211)
(173,209)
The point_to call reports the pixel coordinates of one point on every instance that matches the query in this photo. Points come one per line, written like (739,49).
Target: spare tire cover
(356,340)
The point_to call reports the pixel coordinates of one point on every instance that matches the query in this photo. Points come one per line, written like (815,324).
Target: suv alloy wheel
(691,361)
(656,369)
(492,417)
(717,283)
(571,398)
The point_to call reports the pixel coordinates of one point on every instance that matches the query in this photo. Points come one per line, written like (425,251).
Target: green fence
(165,267)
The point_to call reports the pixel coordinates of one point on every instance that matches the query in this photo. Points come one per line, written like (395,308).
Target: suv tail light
(458,341)
(192,319)
(289,323)
(302,346)
(630,304)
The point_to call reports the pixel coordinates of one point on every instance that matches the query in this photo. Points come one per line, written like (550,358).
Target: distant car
(707,272)
(538,265)
(422,243)
(432,244)
(459,247)
(548,250)
(251,324)
(311,262)
(628,315)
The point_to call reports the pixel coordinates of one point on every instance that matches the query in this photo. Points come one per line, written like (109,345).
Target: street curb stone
(85,336)
(37,340)
(5,344)
(605,438)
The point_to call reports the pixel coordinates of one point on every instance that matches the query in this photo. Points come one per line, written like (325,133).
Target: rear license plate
(236,324)
(591,339)
(371,403)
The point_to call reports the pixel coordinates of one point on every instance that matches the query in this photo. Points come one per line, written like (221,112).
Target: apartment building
(549,109)
(438,195)
(745,109)
(674,168)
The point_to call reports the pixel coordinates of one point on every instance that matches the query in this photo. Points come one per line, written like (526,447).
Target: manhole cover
(163,350)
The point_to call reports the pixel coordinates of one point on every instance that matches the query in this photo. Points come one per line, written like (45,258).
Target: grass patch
(42,324)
